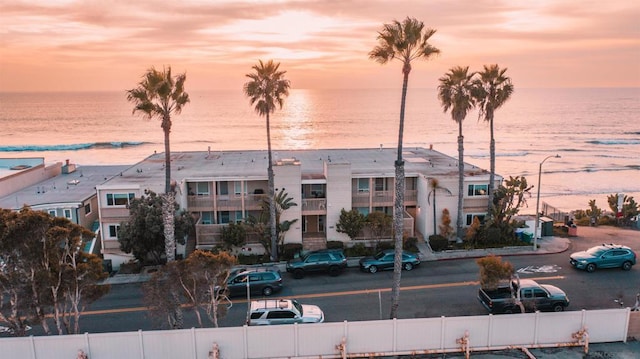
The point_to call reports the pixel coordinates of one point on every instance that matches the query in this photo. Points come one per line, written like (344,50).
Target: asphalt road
(434,289)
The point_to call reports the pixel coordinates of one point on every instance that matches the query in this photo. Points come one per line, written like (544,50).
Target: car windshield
(298,306)
(596,251)
(379,255)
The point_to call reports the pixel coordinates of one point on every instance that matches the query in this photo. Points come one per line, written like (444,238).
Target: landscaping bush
(410,244)
(357,250)
(289,250)
(250,259)
(380,246)
(335,245)
(438,243)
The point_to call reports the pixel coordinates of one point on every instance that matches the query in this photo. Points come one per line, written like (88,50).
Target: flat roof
(73,187)
(367,162)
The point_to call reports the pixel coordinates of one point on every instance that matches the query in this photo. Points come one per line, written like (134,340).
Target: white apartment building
(219,188)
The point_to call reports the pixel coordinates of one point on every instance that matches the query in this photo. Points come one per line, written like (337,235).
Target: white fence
(364,338)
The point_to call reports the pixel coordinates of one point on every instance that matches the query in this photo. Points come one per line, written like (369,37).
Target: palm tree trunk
(460,181)
(398,210)
(492,174)
(168,219)
(434,211)
(272,193)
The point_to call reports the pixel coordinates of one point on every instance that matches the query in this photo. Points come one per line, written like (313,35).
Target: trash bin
(573,231)
(527,237)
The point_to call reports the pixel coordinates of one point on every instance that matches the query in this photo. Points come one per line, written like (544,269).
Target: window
(113,230)
(87,209)
(67,213)
(223,188)
(471,216)
(381,184)
(363,210)
(52,212)
(206,218)
(202,188)
(363,185)
(237,188)
(478,190)
(224,217)
(119,199)
(238,216)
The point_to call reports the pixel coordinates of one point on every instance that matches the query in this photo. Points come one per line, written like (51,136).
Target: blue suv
(604,256)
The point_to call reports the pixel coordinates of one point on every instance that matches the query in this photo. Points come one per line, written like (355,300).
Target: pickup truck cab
(534,297)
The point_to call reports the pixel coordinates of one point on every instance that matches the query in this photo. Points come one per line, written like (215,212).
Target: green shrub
(335,245)
(250,259)
(380,246)
(410,244)
(289,250)
(357,250)
(438,243)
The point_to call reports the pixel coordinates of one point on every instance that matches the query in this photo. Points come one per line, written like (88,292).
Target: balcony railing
(225,202)
(314,206)
(211,235)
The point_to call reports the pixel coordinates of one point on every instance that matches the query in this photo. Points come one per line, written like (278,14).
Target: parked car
(332,261)
(533,297)
(383,260)
(261,280)
(283,311)
(604,256)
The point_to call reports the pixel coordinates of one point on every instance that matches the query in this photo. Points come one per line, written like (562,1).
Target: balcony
(311,206)
(225,202)
(382,199)
(210,235)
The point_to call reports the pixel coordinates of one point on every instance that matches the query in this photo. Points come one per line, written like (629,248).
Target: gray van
(261,281)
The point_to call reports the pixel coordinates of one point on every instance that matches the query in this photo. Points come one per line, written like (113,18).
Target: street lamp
(535,229)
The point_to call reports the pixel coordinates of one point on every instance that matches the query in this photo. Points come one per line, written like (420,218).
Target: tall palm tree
(406,41)
(160,95)
(492,90)
(266,90)
(435,186)
(455,94)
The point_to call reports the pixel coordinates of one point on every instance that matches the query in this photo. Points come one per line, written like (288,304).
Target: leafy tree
(445,228)
(281,202)
(435,186)
(594,212)
(406,41)
(198,282)
(508,200)
(380,223)
(493,270)
(160,95)
(351,223)
(143,232)
(491,90)
(234,235)
(629,208)
(44,273)
(266,90)
(455,94)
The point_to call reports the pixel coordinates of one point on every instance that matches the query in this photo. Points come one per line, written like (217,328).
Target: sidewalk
(546,245)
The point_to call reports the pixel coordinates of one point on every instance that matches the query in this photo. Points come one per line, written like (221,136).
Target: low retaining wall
(339,339)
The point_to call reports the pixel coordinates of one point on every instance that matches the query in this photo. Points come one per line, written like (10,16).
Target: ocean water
(595,131)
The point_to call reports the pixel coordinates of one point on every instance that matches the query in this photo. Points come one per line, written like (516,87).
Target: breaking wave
(615,142)
(70,147)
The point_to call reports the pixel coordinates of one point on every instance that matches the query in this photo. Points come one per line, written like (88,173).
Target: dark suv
(262,281)
(604,256)
(332,261)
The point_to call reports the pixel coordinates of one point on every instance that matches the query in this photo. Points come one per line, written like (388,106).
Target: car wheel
(626,265)
(298,274)
(267,291)
(408,266)
(590,267)
(558,307)
(512,310)
(334,271)
(373,269)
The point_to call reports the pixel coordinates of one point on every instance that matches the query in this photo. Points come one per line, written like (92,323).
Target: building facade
(219,188)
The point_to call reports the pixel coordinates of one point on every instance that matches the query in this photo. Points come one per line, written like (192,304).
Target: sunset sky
(86,45)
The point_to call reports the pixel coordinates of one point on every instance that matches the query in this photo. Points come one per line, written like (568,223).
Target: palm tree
(435,186)
(491,91)
(455,94)
(405,41)
(266,90)
(159,95)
